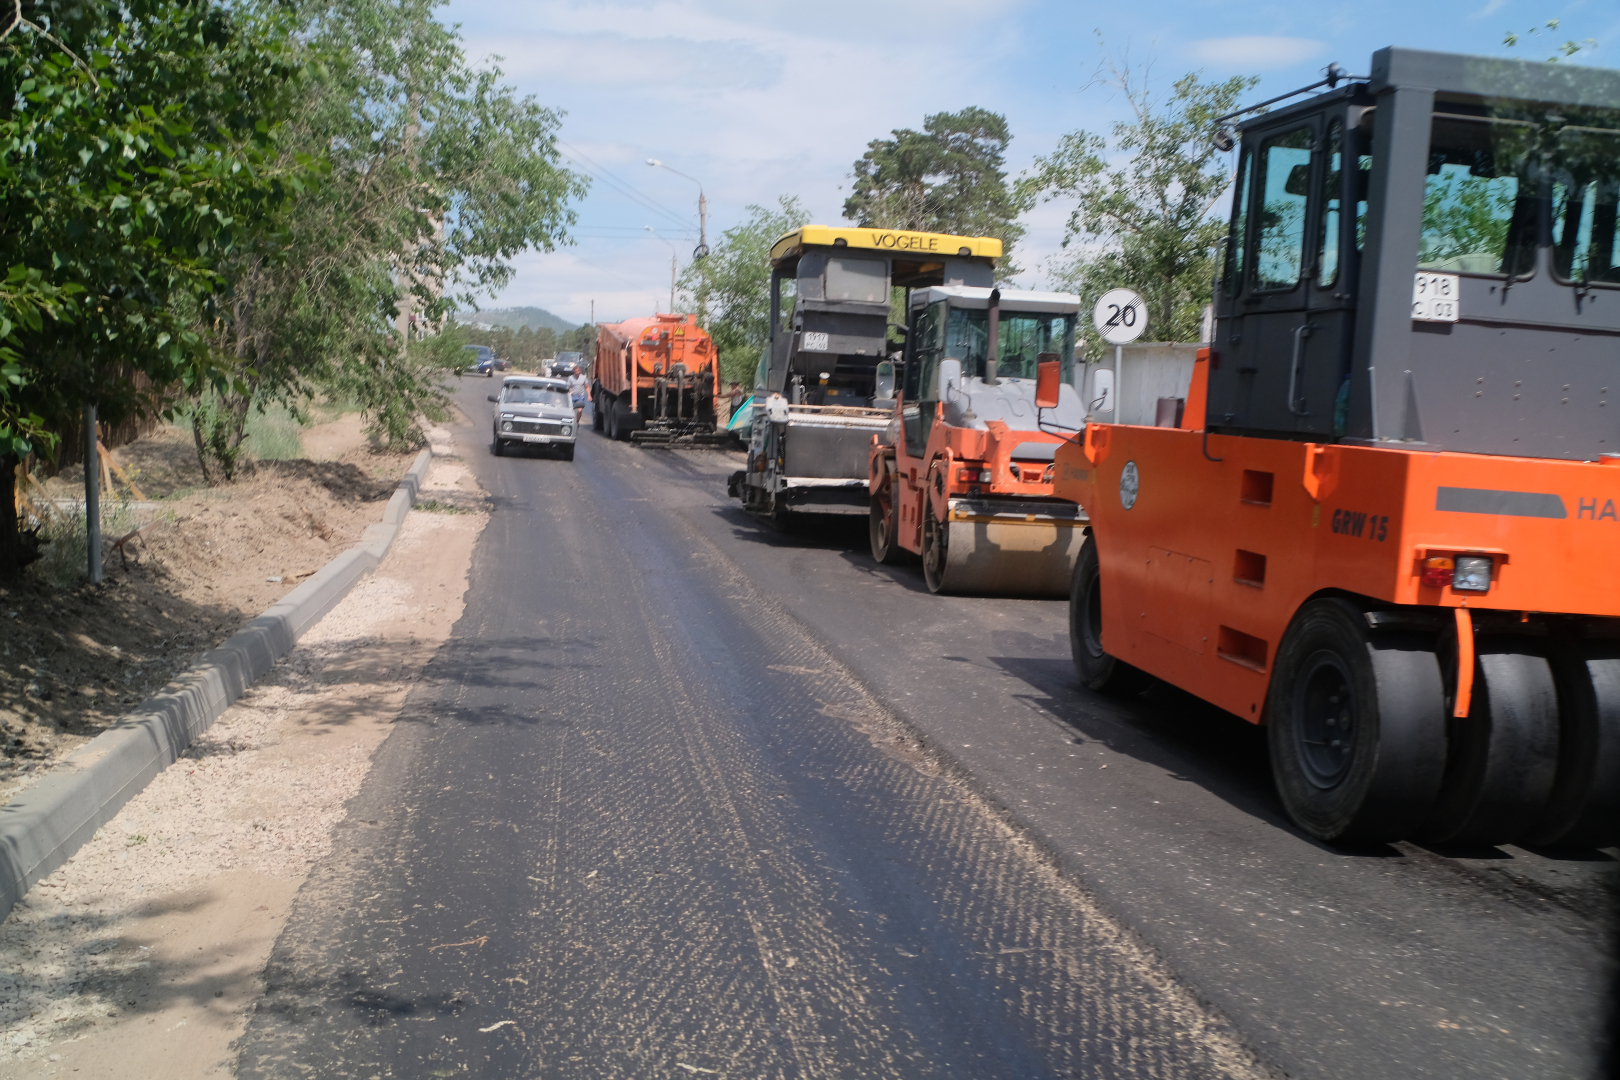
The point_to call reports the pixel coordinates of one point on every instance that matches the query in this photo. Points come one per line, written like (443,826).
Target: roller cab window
(1585,191)
(1022,340)
(1480,198)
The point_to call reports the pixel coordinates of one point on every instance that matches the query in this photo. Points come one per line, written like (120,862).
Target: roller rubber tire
(935,549)
(1381,780)
(1097,670)
(1584,811)
(883,530)
(1502,758)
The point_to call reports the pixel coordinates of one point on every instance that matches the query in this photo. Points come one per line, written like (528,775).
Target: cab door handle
(1301,332)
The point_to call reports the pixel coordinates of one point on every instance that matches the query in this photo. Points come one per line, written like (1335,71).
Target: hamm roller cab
(963,475)
(1387,527)
(826,384)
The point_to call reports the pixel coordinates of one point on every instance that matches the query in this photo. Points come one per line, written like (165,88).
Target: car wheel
(566,452)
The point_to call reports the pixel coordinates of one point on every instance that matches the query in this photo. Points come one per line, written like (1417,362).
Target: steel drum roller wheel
(1584,811)
(1097,670)
(1502,758)
(1356,726)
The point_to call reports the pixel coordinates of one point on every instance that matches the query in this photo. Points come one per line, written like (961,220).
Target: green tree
(949,177)
(1144,200)
(732,287)
(134,150)
(432,176)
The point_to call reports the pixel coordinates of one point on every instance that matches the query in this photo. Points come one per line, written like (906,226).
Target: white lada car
(535,412)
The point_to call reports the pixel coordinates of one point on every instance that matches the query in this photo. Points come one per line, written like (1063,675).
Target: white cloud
(1256,52)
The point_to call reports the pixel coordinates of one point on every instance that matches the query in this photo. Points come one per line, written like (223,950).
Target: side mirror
(1102,390)
(492,397)
(885,381)
(1048,375)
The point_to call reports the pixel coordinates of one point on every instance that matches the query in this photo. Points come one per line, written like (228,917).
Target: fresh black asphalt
(684,796)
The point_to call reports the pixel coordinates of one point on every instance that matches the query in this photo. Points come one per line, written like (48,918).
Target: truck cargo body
(656,377)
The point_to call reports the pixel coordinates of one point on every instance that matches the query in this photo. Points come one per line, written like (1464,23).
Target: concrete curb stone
(49,821)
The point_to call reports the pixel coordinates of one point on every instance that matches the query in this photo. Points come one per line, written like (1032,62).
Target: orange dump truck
(1386,526)
(655,380)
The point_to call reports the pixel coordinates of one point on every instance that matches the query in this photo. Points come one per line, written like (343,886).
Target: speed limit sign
(1120,316)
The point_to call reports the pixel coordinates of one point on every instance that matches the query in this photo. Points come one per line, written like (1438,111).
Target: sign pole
(1119,384)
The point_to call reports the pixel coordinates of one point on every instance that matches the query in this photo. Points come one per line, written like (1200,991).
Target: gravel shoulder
(142,955)
(75,657)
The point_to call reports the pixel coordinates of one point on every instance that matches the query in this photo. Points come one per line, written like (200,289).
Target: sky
(755,99)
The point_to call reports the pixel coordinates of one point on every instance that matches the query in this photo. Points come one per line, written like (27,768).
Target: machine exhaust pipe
(992,346)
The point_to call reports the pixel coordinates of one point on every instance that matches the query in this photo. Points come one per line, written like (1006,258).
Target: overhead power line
(614,182)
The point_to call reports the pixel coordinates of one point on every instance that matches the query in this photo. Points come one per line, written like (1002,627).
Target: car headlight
(568,429)
(506,425)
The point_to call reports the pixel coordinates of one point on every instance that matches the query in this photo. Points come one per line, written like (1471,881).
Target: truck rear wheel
(1357,728)
(596,412)
(1097,670)
(1585,807)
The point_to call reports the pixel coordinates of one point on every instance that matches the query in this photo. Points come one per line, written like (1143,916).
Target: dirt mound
(75,658)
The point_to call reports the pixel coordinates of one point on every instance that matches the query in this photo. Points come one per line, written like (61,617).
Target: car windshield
(519,394)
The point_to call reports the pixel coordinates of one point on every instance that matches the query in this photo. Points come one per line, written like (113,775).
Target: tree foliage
(1144,198)
(432,176)
(949,177)
(732,287)
(134,153)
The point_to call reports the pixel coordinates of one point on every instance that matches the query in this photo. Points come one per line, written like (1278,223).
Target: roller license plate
(1434,297)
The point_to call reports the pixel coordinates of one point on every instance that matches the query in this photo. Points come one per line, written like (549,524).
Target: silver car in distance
(533,412)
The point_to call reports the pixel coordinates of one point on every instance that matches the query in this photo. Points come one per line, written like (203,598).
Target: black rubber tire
(1502,758)
(1386,696)
(596,413)
(1584,811)
(1097,670)
(610,422)
(566,452)
(935,549)
(883,530)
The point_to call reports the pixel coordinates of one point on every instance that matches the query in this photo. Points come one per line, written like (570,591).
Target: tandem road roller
(963,474)
(1388,525)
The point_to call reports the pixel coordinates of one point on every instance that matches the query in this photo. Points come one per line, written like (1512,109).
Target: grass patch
(434,506)
(274,435)
(63,558)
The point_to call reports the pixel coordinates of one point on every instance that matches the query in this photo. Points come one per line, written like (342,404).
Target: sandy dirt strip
(142,955)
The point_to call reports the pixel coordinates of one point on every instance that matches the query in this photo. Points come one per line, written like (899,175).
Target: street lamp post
(672,254)
(702,250)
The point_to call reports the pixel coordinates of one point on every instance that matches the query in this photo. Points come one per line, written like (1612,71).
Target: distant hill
(532,317)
